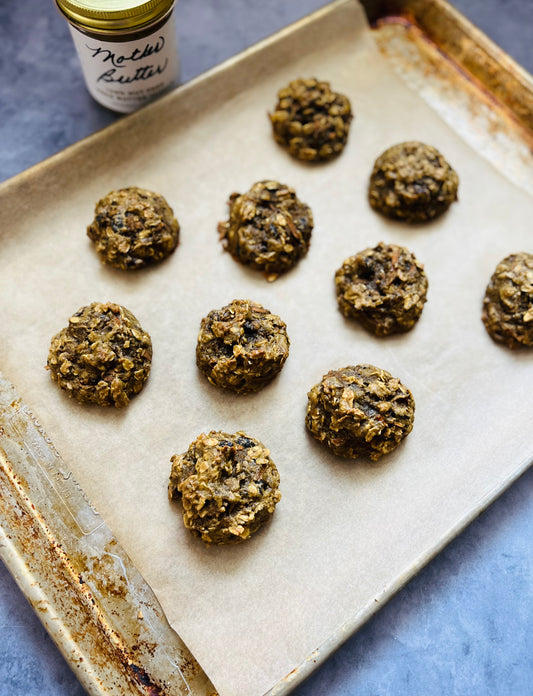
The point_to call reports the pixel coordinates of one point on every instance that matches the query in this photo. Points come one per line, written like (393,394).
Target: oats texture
(508,303)
(227,484)
(412,182)
(269,228)
(103,356)
(311,121)
(242,346)
(383,288)
(133,228)
(360,410)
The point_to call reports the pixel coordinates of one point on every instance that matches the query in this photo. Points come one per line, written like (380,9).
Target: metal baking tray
(94,603)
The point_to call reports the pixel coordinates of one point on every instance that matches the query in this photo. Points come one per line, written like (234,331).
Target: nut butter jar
(127,48)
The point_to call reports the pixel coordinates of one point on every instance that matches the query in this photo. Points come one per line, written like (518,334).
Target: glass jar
(127,48)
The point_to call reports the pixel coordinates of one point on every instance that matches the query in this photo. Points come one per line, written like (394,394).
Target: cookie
(412,182)
(269,228)
(102,356)
(383,288)
(133,228)
(242,346)
(228,486)
(508,303)
(360,410)
(311,121)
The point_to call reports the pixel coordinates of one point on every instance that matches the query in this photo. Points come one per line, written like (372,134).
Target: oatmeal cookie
(269,228)
(508,303)
(242,346)
(412,182)
(133,228)
(103,356)
(228,486)
(360,410)
(383,288)
(311,121)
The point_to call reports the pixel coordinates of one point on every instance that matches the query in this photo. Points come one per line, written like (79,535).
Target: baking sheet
(344,533)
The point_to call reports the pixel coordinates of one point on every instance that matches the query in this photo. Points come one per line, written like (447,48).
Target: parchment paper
(345,532)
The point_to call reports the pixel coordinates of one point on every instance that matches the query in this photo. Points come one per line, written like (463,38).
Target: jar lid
(112,15)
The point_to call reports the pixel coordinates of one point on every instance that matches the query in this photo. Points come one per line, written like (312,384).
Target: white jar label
(124,75)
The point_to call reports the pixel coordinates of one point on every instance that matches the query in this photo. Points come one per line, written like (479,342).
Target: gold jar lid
(109,16)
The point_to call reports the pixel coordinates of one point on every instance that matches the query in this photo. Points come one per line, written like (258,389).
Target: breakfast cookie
(133,228)
(311,121)
(269,228)
(242,346)
(412,182)
(360,410)
(227,484)
(103,356)
(383,288)
(508,302)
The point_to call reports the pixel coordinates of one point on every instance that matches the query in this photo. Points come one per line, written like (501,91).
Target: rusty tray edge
(471,48)
(95,605)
